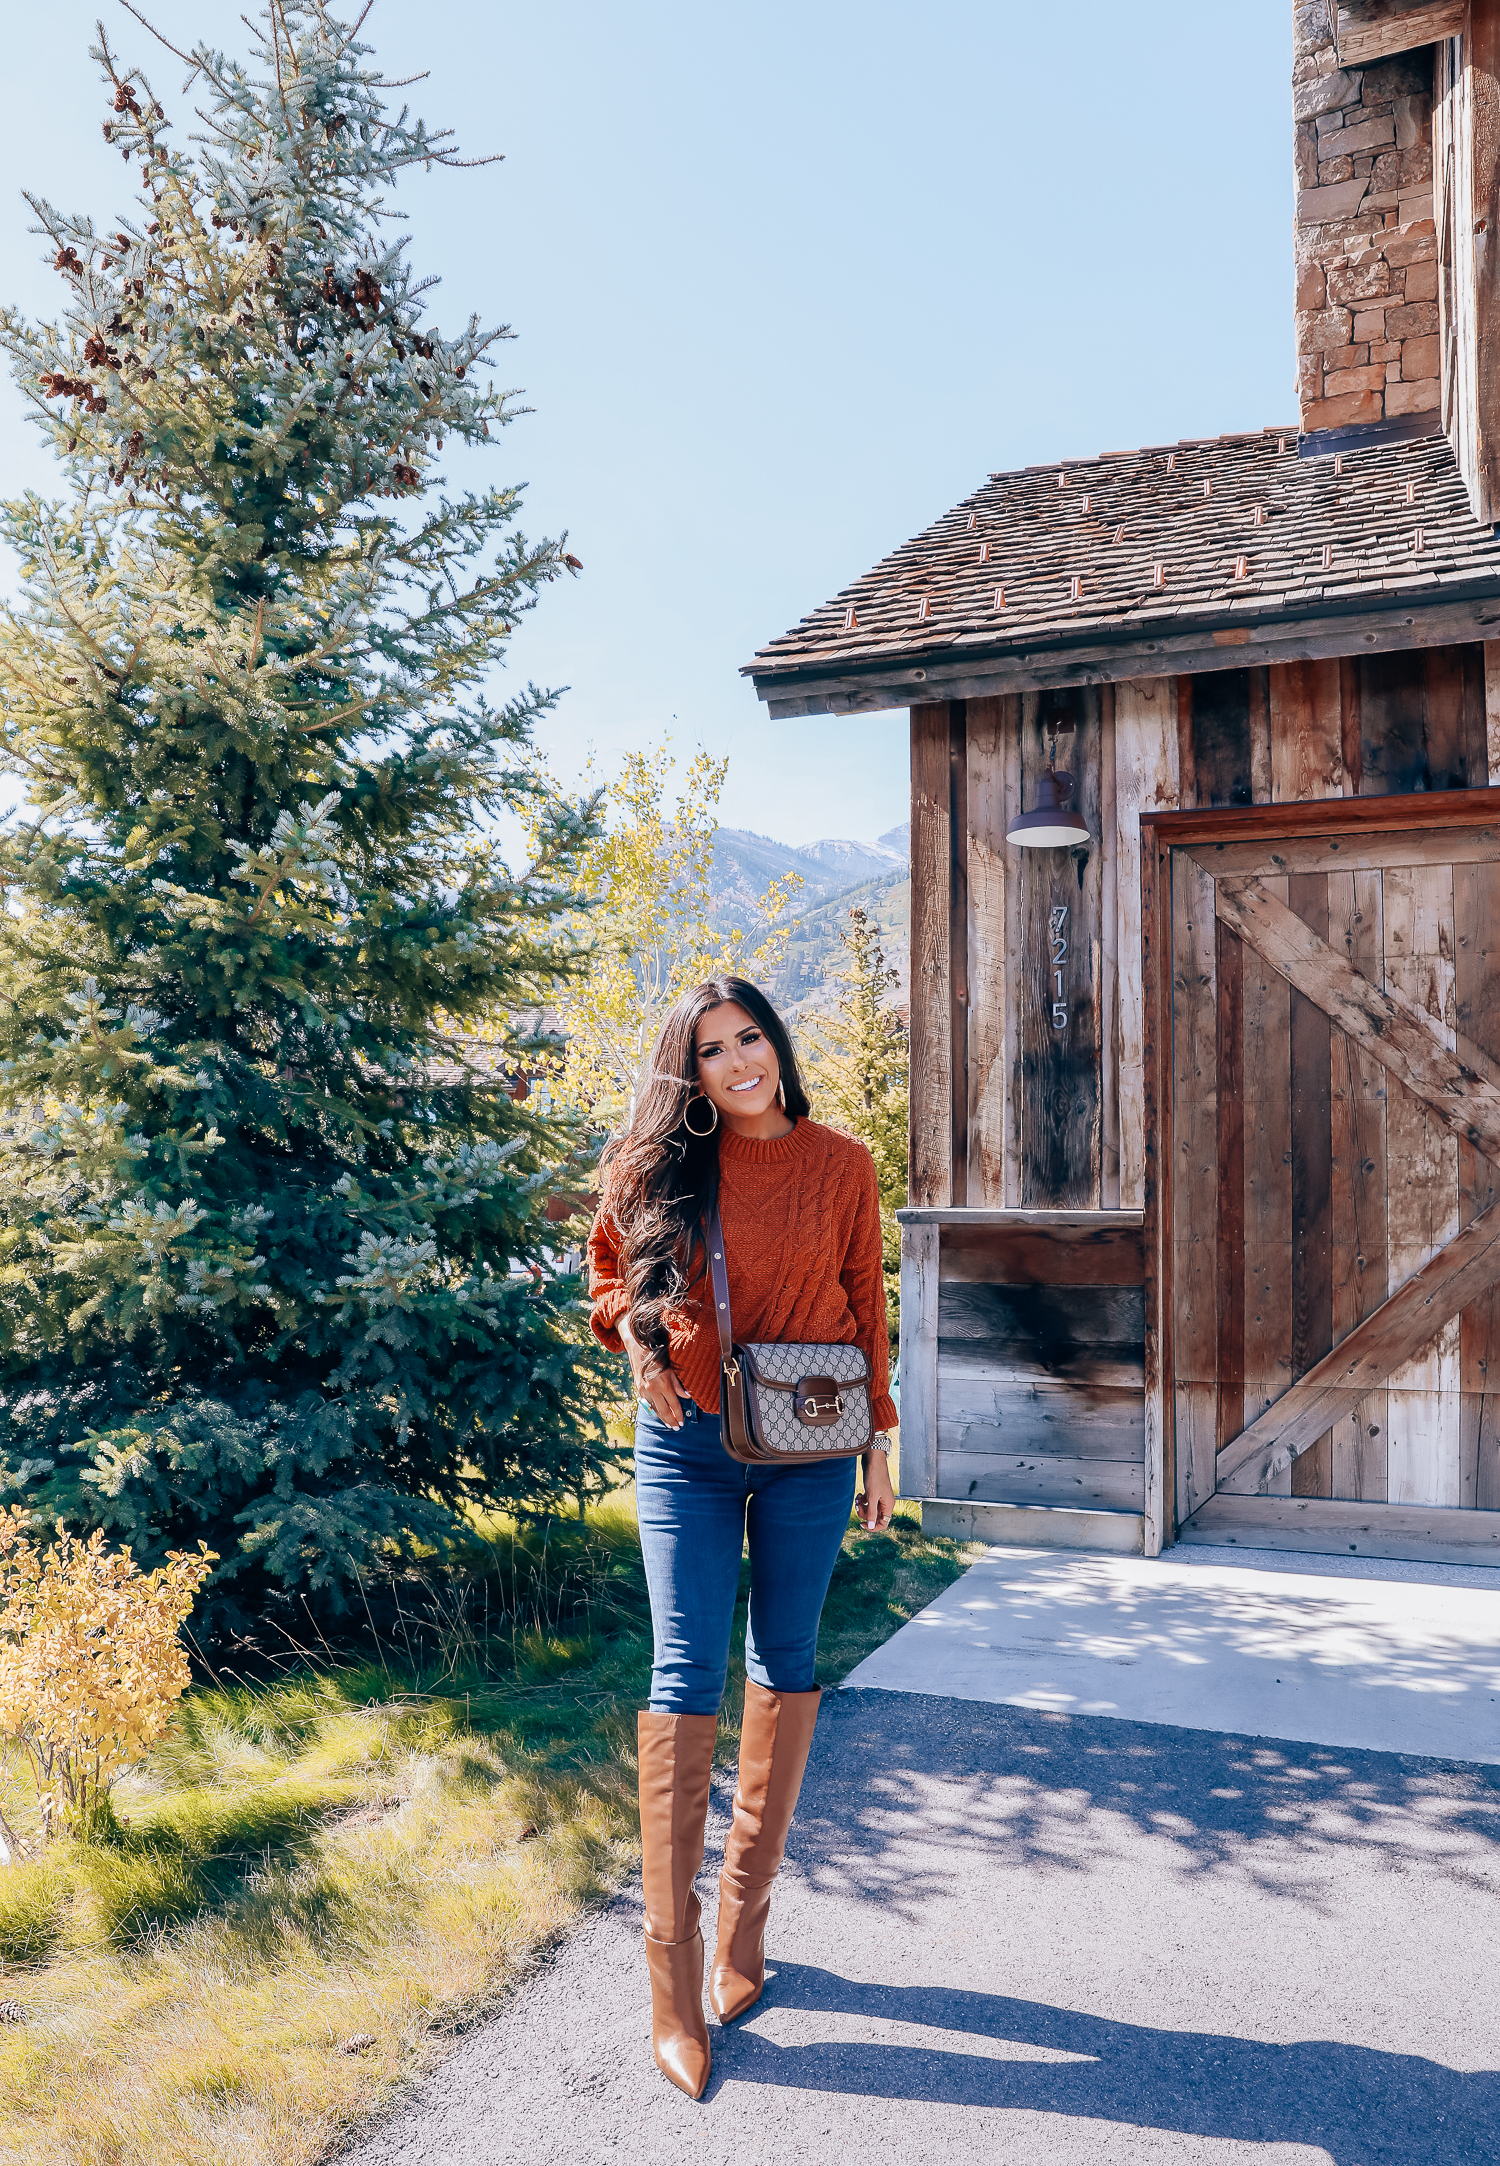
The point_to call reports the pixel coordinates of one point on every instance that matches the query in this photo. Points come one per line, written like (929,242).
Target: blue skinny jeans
(695,1506)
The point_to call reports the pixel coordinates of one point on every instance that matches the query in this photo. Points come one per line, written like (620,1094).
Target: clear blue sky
(787,282)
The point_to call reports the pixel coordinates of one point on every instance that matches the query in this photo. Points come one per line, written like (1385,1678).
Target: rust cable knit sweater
(801,1219)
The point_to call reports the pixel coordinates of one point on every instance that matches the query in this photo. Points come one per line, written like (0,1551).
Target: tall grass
(322,1871)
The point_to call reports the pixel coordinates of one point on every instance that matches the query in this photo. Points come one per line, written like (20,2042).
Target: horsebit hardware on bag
(784,1401)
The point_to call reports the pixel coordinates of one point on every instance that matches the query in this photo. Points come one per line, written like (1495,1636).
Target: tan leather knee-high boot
(775,1740)
(676,1755)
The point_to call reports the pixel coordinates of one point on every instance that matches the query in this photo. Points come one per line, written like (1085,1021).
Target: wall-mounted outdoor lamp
(1055,824)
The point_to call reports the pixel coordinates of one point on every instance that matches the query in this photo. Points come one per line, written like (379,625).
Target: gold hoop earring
(700,1133)
(781,1094)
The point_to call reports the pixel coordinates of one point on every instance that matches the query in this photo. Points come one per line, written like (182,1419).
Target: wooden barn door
(1323,1174)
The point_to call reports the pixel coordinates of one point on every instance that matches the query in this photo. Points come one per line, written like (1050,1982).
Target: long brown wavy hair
(659,1178)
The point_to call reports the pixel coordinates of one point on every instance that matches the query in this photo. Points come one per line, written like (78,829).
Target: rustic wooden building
(1205,1108)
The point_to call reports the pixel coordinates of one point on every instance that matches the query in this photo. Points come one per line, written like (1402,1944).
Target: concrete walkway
(1388,1657)
(1007,1932)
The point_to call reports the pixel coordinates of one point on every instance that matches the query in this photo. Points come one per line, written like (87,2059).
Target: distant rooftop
(1207,554)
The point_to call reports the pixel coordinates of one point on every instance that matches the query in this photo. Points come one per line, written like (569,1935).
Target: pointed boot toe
(679,2035)
(730,1994)
(683,2062)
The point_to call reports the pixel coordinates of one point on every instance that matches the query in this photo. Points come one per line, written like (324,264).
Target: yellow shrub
(90,1661)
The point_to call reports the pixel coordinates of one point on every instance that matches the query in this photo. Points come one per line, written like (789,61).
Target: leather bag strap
(713,1235)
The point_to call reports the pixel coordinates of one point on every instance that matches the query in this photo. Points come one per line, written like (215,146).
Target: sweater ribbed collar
(750,1151)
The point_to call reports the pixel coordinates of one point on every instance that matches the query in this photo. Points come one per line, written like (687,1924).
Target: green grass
(313,1878)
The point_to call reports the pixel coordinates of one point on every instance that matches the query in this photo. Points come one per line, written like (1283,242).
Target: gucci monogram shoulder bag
(784,1401)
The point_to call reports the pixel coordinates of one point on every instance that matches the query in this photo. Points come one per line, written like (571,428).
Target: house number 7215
(1057,927)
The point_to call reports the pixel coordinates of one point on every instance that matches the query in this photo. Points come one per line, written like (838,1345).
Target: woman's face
(737,1066)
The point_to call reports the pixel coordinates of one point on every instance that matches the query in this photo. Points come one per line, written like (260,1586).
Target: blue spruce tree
(273,1264)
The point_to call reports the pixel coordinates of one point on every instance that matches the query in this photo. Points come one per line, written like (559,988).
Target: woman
(723,1113)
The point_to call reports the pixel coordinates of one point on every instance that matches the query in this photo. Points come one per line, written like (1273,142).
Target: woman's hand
(660,1389)
(879,1500)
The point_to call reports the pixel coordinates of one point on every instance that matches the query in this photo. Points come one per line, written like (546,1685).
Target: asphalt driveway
(1013,1934)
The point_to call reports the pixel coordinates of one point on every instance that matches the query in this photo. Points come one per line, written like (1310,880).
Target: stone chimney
(1366,243)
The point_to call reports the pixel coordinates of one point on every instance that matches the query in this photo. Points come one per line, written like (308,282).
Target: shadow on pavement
(1360,2106)
(1062,1792)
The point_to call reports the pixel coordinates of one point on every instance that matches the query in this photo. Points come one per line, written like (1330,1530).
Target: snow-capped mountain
(745,864)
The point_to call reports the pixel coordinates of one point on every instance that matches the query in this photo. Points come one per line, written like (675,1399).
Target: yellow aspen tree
(858,1068)
(648,873)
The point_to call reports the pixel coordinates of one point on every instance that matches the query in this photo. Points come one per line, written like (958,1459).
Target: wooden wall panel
(1476,914)
(1445,120)
(1036,1253)
(1421,721)
(1061,1129)
(1187,768)
(1268,1184)
(1016,1477)
(1349,725)
(1222,750)
(1360,1275)
(1492,707)
(1307,731)
(1260,736)
(1312,1184)
(1308,727)
(983,1412)
(930,1156)
(1195,1175)
(1145,781)
(1011,755)
(1159,1519)
(1314,732)
(1392,724)
(988,722)
(1109,959)
(1046,1328)
(1476,718)
(1329,1528)
(1424,1444)
(1040,1392)
(1453,697)
(919,1361)
(958,949)
(1230,1198)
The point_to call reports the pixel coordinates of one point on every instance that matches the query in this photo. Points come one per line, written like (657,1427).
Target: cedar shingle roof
(1088,569)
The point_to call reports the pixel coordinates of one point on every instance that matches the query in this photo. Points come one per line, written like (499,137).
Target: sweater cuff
(604,1318)
(883,1413)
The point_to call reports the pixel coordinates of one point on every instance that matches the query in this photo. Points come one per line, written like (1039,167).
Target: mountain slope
(836,874)
(804,984)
